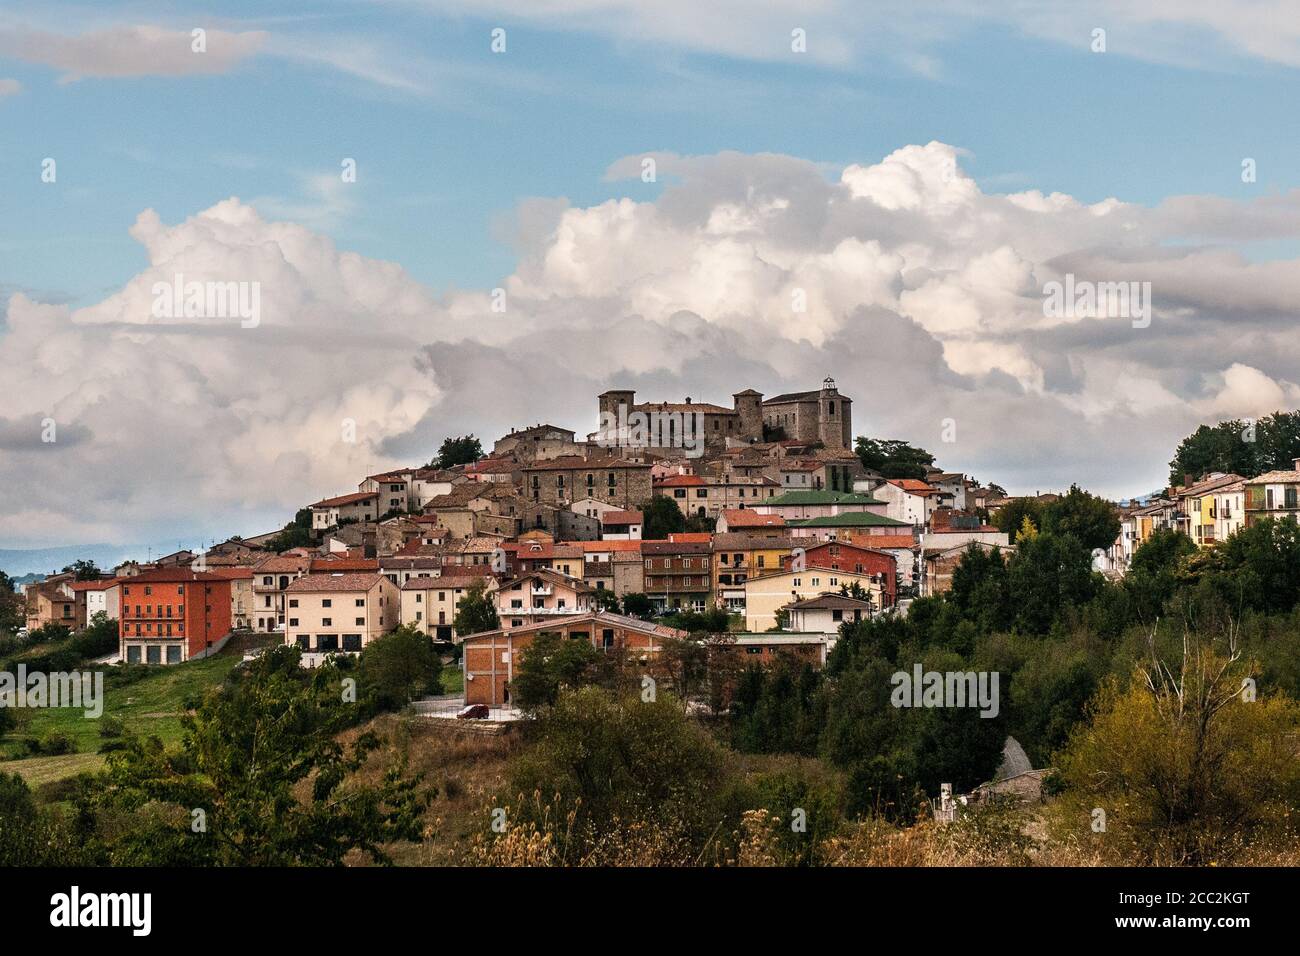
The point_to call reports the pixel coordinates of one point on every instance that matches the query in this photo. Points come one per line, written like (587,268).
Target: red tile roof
(103,584)
(679,481)
(328,565)
(622,517)
(913,485)
(356,496)
(751,519)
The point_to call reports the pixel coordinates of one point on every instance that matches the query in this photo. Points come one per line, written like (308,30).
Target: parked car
(473,712)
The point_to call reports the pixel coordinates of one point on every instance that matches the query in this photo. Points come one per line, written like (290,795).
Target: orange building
(170,615)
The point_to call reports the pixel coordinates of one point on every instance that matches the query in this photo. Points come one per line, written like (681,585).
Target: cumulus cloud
(144,50)
(920,293)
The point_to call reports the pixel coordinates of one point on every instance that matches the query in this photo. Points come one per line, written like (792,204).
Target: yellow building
(739,556)
(768,593)
(429,603)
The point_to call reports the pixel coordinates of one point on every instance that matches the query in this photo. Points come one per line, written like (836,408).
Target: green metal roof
(854,519)
(822,498)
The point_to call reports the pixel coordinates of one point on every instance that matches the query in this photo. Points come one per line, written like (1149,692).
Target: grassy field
(150,705)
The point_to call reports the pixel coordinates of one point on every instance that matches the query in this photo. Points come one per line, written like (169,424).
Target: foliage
(475,611)
(1187,770)
(639,605)
(400,666)
(1092,521)
(618,760)
(550,664)
(460,450)
(892,458)
(31,835)
(778,709)
(661,517)
(1229,447)
(84,570)
(260,779)
(1012,516)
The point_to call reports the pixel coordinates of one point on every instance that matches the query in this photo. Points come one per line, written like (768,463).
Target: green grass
(453,679)
(151,705)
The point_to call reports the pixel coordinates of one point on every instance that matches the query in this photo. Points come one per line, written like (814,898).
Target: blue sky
(442,167)
(920,171)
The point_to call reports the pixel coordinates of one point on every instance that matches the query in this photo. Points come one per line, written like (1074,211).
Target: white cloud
(923,299)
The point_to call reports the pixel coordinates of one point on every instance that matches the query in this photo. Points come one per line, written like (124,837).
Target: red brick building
(490,658)
(837,556)
(170,615)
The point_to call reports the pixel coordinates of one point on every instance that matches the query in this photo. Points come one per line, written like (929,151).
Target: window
(361,602)
(173,653)
(293,602)
(361,622)
(327,602)
(352,642)
(327,622)
(293,622)
(148,590)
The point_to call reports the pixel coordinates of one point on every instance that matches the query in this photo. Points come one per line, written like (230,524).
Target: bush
(51,745)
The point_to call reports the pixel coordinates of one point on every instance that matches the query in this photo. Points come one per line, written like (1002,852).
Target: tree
(1236,446)
(892,458)
(461,450)
(296,534)
(1259,566)
(550,664)
(1186,767)
(84,570)
(638,605)
(262,769)
(1153,573)
(660,518)
(30,835)
(400,666)
(475,611)
(11,605)
(1093,521)
(606,600)
(619,761)
(1048,574)
(981,588)
(1011,517)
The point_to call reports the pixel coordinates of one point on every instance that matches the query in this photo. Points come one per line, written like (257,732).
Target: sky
(915,175)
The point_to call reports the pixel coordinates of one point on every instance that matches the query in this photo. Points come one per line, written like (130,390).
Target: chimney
(1187,479)
(1296,462)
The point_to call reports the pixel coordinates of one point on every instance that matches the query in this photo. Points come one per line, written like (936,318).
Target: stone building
(823,416)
